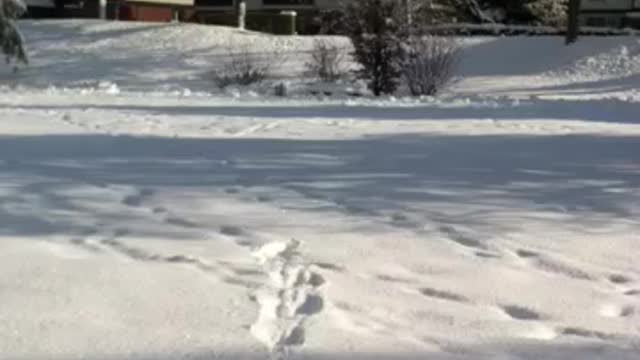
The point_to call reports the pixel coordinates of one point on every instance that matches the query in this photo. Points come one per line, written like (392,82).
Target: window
(596,21)
(212,3)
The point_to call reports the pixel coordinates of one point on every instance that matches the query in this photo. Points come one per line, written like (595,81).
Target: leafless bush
(281,89)
(245,66)
(327,61)
(241,67)
(429,63)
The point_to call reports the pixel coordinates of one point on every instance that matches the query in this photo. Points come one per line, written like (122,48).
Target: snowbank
(179,57)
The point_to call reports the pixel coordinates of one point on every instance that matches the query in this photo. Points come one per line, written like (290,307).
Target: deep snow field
(145,214)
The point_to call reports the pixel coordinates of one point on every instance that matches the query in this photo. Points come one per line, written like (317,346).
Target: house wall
(271,4)
(616,5)
(292,4)
(602,19)
(163,2)
(141,12)
(609,13)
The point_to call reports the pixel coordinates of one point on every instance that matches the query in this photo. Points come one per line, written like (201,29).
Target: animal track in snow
(231,230)
(487,255)
(399,217)
(263,198)
(159,210)
(86,243)
(113,243)
(394,279)
(547,264)
(174,220)
(585,333)
(137,198)
(329,266)
(520,312)
(291,296)
(462,239)
(525,254)
(619,279)
(443,295)
(632,292)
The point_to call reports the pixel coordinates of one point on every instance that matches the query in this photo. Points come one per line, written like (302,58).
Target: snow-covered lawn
(145,214)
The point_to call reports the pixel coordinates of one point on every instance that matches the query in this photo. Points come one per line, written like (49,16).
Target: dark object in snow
(376,32)
(11,40)
(428,64)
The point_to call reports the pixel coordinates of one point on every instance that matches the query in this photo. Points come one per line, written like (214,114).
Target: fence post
(241,12)
(103,9)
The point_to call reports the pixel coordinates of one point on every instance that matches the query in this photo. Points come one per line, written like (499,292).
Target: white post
(103,9)
(242,13)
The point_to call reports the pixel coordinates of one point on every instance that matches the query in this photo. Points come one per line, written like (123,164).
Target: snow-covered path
(203,226)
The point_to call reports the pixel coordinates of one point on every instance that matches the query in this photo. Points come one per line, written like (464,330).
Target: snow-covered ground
(145,214)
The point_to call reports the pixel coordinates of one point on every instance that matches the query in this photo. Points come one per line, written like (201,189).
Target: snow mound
(179,59)
(620,62)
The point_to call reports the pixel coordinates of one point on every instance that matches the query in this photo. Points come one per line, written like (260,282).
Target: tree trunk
(408,9)
(59,8)
(573,26)
(241,12)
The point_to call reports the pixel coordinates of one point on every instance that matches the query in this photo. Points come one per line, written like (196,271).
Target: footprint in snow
(393,279)
(586,333)
(443,295)
(136,199)
(547,264)
(462,239)
(86,244)
(231,230)
(619,279)
(487,255)
(159,210)
(174,220)
(263,198)
(329,266)
(526,254)
(520,312)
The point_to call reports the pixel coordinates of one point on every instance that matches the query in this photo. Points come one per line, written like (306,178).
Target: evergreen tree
(376,30)
(10,38)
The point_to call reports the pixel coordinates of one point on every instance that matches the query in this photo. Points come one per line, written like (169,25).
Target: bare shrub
(428,64)
(241,67)
(327,61)
(281,89)
(245,66)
